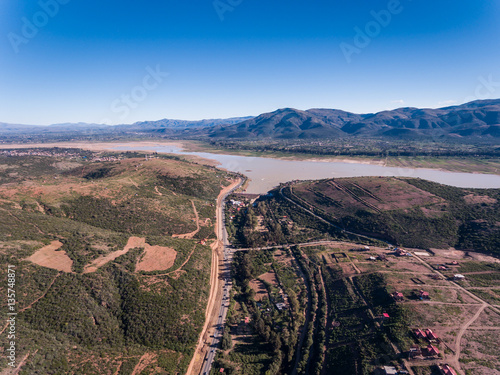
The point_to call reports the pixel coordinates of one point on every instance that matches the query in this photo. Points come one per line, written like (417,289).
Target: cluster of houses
(381,257)
(420,294)
(236,203)
(448,267)
(56,152)
(38,152)
(361,248)
(281,301)
(426,334)
(431,350)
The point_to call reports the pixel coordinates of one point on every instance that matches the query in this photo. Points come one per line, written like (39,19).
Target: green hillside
(407,212)
(115,318)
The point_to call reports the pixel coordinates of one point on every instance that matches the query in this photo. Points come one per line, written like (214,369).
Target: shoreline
(194,146)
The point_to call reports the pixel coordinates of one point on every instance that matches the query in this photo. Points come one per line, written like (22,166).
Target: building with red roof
(432,351)
(447,370)
(424,295)
(419,334)
(398,296)
(431,336)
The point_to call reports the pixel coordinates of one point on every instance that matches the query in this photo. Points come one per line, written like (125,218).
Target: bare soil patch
(481,350)
(49,256)
(444,255)
(478,199)
(372,192)
(269,277)
(66,165)
(259,288)
(437,316)
(488,318)
(156,258)
(133,242)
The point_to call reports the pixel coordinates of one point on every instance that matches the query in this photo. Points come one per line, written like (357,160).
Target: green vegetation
(99,322)
(407,212)
(345,331)
(274,332)
(340,334)
(362,147)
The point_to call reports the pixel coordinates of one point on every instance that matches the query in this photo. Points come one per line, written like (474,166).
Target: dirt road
(211,312)
(455,361)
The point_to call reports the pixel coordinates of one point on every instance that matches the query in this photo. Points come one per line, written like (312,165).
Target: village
(70,154)
(438,288)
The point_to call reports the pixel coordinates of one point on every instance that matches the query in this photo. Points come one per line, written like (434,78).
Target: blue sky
(126,61)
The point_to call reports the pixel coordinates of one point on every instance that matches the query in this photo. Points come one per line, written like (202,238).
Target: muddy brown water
(266,173)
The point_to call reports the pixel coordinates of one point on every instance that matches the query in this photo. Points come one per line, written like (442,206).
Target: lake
(266,173)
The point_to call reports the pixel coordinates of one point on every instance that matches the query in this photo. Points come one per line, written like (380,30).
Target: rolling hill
(112,277)
(475,119)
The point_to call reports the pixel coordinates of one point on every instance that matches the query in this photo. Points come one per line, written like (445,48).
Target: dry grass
(478,199)
(378,193)
(269,277)
(259,288)
(49,257)
(156,258)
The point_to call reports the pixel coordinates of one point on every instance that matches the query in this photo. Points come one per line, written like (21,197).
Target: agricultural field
(111,273)
(351,318)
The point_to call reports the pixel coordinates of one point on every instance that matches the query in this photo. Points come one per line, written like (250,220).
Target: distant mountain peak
(480,118)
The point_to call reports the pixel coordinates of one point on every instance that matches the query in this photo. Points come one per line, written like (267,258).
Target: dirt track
(215,297)
(455,361)
(193,233)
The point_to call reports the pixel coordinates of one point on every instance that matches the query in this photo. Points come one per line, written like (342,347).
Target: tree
(227,342)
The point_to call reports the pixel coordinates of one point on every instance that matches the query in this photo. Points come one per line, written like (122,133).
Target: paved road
(225,273)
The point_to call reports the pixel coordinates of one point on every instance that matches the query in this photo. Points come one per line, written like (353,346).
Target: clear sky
(125,61)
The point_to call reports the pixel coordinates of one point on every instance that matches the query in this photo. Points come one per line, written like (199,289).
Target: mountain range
(477,119)
(474,119)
